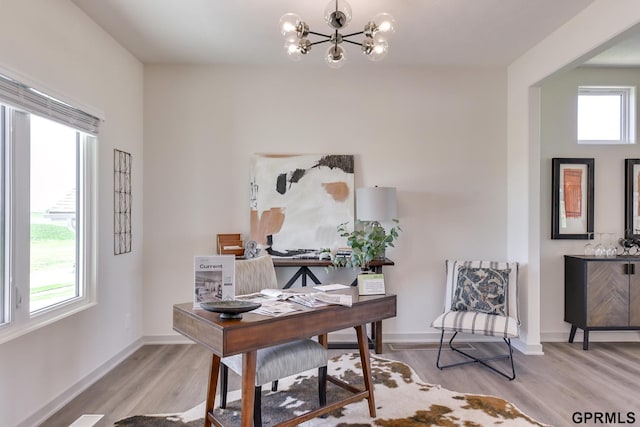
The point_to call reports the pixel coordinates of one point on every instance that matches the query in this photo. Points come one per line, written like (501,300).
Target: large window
(47,210)
(606,115)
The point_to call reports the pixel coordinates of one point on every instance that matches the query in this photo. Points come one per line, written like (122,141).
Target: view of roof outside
(53,213)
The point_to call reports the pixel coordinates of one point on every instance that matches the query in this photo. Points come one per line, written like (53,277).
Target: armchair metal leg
(473,359)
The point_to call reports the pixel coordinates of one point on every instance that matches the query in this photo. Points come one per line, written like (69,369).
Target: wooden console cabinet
(601,294)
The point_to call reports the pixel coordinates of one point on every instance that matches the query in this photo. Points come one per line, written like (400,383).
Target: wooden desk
(253,331)
(304,271)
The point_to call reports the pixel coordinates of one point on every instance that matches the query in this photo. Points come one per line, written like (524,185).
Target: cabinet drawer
(607,294)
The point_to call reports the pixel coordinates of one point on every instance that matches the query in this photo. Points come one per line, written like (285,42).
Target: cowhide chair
(278,361)
(481,298)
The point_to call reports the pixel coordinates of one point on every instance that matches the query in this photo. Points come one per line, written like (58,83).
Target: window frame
(627,113)
(18,320)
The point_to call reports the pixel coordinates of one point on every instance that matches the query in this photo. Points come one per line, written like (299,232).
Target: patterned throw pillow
(481,289)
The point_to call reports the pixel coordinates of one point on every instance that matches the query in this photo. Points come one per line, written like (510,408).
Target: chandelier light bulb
(337,14)
(289,26)
(379,51)
(293,51)
(335,56)
(384,27)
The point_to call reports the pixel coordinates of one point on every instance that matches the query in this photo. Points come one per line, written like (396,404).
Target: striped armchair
(481,298)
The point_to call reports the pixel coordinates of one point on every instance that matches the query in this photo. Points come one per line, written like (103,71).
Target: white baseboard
(595,336)
(166,339)
(68,395)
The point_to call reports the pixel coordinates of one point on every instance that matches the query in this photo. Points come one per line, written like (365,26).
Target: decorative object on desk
(610,245)
(229,309)
(325,253)
(121,202)
(572,198)
(367,243)
(402,399)
(290,192)
(632,201)
(230,244)
(371,284)
(251,249)
(629,244)
(214,278)
(337,15)
(589,248)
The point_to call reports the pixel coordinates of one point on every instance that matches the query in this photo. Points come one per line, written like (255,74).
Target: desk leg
(363,346)
(211,389)
(376,336)
(248,387)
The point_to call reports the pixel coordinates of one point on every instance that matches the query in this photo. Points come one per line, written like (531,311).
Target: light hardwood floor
(550,388)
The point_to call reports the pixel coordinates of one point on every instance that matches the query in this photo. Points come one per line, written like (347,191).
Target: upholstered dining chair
(278,361)
(481,298)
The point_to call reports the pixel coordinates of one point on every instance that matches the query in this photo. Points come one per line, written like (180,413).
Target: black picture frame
(572,184)
(631,199)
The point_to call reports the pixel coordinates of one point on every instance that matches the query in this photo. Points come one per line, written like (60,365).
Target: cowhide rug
(402,399)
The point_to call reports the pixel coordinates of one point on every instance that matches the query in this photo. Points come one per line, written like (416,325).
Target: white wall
(53,42)
(558,139)
(436,134)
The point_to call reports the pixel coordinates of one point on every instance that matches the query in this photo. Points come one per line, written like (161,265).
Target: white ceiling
(435,32)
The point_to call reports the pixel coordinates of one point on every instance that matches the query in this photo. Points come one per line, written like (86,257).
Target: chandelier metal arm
(320,42)
(352,42)
(319,34)
(352,34)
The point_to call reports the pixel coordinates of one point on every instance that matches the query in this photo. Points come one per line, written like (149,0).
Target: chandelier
(337,15)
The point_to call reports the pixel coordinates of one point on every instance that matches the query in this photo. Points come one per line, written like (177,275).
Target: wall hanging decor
(632,201)
(297,200)
(121,202)
(572,200)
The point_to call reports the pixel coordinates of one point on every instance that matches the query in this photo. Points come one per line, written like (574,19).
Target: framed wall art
(631,200)
(121,202)
(297,201)
(572,198)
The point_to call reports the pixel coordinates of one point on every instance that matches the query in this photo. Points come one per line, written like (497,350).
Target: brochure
(214,277)
(371,284)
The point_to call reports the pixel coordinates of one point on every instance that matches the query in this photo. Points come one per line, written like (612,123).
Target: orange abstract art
(573,192)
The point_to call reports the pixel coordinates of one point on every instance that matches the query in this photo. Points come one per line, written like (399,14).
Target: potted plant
(367,241)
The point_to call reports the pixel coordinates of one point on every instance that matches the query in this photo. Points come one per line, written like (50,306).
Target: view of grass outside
(53,213)
(52,262)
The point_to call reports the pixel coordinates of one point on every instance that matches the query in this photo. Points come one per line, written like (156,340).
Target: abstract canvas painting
(297,201)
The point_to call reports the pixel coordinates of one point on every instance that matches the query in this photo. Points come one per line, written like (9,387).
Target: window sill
(12,331)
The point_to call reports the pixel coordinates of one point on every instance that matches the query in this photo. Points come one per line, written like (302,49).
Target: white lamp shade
(376,203)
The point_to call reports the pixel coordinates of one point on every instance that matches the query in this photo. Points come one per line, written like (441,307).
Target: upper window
(47,213)
(606,115)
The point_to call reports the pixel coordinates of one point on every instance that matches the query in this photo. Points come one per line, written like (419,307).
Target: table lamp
(375,204)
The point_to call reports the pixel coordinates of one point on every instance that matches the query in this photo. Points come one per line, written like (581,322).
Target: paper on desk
(275,308)
(331,287)
(340,299)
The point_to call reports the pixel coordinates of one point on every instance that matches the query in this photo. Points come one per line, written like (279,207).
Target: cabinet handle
(632,269)
(625,269)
